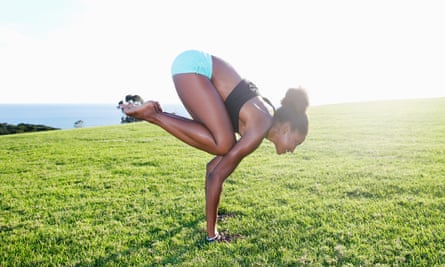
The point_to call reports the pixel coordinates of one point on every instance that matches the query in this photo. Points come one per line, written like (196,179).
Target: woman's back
(224,77)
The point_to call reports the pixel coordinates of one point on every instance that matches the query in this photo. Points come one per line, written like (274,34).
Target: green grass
(367,188)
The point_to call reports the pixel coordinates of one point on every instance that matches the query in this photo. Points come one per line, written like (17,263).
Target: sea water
(64,116)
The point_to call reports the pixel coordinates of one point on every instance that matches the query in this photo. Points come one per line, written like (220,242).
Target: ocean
(64,116)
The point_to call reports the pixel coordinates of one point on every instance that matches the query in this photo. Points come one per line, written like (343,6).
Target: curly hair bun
(296,99)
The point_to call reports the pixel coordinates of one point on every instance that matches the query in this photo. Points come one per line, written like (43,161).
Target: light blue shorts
(193,61)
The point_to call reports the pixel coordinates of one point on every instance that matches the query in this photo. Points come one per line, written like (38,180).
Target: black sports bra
(243,92)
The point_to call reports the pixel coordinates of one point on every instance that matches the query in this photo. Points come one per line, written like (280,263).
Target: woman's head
(290,122)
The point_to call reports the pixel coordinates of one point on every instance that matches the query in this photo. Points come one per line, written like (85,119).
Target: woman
(221,104)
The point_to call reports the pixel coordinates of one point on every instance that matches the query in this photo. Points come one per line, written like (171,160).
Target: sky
(98,51)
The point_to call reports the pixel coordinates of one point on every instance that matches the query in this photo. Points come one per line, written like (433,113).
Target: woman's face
(287,140)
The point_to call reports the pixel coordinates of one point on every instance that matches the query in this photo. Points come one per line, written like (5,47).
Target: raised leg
(205,105)
(210,129)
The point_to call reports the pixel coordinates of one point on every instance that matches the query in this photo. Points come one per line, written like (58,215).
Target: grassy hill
(366,188)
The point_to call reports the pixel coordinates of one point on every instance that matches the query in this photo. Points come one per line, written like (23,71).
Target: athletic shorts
(193,61)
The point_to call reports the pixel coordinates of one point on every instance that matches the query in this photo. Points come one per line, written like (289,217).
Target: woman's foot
(221,237)
(218,238)
(145,111)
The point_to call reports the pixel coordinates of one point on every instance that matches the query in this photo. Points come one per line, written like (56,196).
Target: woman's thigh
(205,105)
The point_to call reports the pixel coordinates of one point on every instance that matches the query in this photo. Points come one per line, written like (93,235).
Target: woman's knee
(224,145)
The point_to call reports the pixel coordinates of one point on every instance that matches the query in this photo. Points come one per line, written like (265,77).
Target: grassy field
(367,188)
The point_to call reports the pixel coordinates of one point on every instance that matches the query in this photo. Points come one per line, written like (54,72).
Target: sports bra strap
(269,102)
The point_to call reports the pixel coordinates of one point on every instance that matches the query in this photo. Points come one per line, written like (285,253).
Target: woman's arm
(222,166)
(219,169)
(256,123)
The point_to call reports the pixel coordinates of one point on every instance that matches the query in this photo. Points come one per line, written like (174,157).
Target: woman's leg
(205,105)
(210,130)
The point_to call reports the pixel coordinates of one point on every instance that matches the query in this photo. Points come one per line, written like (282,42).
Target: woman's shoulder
(255,117)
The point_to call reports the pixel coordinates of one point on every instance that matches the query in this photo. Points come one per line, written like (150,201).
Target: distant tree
(6,128)
(79,124)
(133,99)
(3,129)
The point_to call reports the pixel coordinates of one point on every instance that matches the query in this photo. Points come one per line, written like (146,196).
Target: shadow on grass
(134,247)
(124,256)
